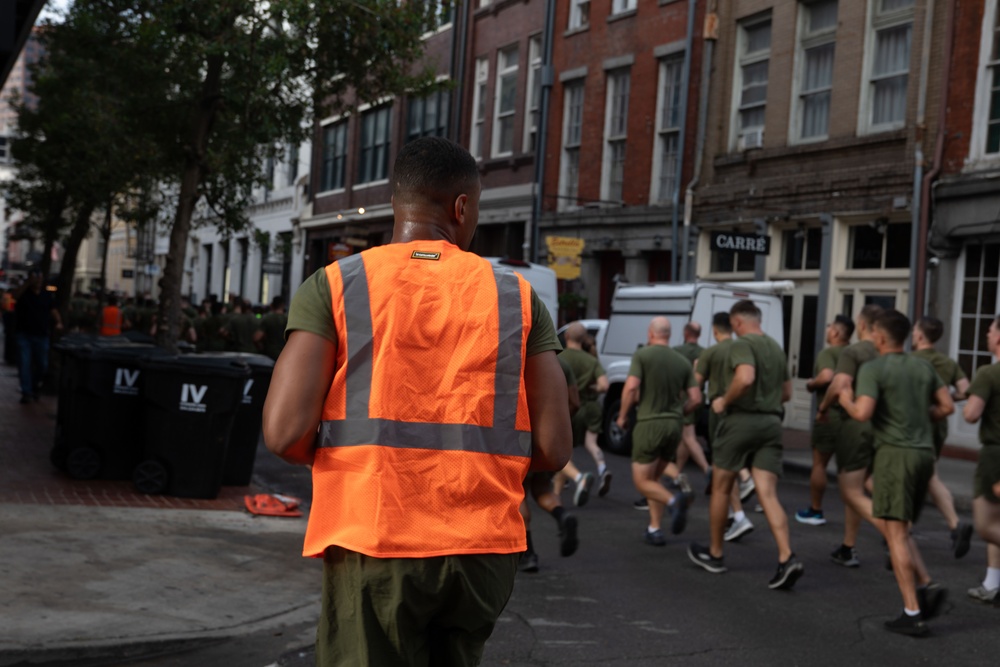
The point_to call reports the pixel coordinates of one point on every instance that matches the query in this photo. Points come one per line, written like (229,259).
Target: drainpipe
(547,74)
(711,21)
(675,196)
(458,59)
(918,290)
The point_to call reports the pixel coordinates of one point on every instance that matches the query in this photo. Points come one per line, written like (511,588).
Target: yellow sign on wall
(564,256)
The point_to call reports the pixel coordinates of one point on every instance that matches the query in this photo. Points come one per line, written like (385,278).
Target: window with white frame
(621,6)
(569,173)
(439,14)
(428,116)
(668,126)
(376,127)
(817,39)
(890,36)
(334,156)
(479,108)
(579,14)
(534,96)
(993,72)
(505,104)
(978,305)
(754,44)
(615,135)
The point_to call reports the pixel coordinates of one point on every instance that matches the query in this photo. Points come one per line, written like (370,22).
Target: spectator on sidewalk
(270,334)
(112,321)
(35,313)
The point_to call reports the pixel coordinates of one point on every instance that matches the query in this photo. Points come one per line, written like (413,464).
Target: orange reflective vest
(111,321)
(425,438)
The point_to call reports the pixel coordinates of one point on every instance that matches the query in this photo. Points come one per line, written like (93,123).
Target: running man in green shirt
(690,447)
(984,403)
(926,332)
(901,394)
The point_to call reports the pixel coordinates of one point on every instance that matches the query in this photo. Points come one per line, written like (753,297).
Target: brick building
(821,117)
(622,115)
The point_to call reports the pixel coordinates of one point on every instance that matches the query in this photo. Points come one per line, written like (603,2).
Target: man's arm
(743,378)
(574,398)
(961,389)
(943,404)
(786,391)
(694,399)
(861,409)
(551,435)
(973,409)
(294,406)
(630,396)
(840,382)
(821,380)
(602,384)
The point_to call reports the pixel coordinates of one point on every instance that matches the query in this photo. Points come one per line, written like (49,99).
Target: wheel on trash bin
(150,477)
(83,463)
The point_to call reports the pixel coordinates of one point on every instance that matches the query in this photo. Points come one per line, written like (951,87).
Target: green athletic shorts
(900,476)
(655,439)
(824,437)
(693,417)
(987,473)
(855,448)
(713,425)
(410,611)
(588,418)
(748,439)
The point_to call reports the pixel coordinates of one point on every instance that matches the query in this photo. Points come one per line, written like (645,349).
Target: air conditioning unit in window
(750,139)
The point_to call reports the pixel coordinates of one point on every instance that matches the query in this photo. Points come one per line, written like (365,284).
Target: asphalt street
(618,601)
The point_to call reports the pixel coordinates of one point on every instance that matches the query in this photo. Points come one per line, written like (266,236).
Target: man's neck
(923,345)
(895,349)
(573,345)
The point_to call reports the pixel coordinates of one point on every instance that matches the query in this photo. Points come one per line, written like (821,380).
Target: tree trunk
(50,232)
(102,296)
(168,318)
(79,231)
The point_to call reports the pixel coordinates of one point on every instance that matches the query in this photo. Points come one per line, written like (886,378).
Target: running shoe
(704,559)
(605,486)
(913,626)
(682,483)
(983,594)
(567,535)
(582,493)
(738,530)
(846,556)
(529,562)
(642,505)
(747,487)
(931,597)
(810,516)
(678,514)
(960,538)
(787,574)
(655,537)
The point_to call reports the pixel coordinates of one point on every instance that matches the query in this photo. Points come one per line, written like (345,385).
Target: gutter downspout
(675,196)
(710,35)
(547,74)
(458,59)
(920,289)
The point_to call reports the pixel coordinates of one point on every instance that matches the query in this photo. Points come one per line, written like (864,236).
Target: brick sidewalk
(28,477)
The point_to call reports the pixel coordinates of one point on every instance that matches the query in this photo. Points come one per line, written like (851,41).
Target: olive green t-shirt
(986,385)
(664,378)
(241,329)
(690,351)
(586,368)
(827,359)
(712,365)
(273,326)
(947,369)
(567,372)
(312,310)
(903,387)
(853,356)
(770,373)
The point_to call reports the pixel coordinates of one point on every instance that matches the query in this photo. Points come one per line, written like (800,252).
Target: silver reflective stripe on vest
(358,429)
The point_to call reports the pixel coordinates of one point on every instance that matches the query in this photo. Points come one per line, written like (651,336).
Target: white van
(633,306)
(540,277)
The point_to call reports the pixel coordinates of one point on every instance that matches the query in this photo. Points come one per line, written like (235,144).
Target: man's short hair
(721,323)
(931,327)
(894,324)
(692,329)
(433,170)
(745,308)
(846,325)
(278,302)
(870,313)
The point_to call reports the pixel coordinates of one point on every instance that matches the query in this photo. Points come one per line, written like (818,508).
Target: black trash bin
(241,452)
(98,419)
(189,404)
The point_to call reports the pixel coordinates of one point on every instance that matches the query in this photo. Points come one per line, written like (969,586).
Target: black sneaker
(913,626)
(642,505)
(846,556)
(655,538)
(960,538)
(529,562)
(678,514)
(605,486)
(582,492)
(703,558)
(931,598)
(567,535)
(788,573)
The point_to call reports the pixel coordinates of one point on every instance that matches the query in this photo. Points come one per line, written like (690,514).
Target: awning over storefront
(970,207)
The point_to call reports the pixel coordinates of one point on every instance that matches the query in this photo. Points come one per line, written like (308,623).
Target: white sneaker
(983,594)
(747,488)
(738,530)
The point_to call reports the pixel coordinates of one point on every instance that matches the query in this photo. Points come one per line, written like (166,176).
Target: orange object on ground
(266,504)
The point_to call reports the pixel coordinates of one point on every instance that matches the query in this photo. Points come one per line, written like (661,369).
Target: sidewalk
(94,569)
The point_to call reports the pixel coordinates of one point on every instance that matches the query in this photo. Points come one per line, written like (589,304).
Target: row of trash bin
(177,424)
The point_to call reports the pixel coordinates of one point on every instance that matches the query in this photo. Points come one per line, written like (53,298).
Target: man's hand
(822,417)
(622,421)
(719,405)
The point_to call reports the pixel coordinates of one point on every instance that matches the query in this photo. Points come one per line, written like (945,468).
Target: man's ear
(459,208)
